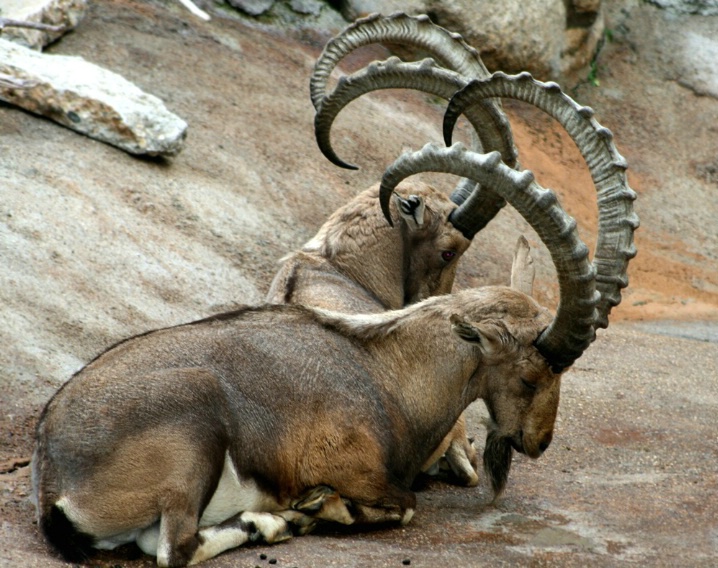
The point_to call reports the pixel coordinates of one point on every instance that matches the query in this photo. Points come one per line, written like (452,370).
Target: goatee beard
(498,454)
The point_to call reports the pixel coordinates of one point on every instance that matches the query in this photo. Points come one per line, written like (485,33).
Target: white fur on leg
(217,539)
(271,528)
(148,539)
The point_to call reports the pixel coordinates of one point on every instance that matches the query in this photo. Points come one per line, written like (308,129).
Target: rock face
(699,7)
(549,38)
(546,37)
(353,9)
(90,100)
(700,64)
(64,13)
(252,7)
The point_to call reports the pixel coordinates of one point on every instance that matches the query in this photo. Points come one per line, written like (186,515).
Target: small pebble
(406,561)
(262,556)
(273,561)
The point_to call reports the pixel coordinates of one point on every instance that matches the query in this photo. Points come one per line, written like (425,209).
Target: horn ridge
(490,125)
(449,49)
(616,219)
(573,327)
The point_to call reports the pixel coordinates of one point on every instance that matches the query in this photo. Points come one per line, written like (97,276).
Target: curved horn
(616,219)
(491,126)
(448,48)
(573,328)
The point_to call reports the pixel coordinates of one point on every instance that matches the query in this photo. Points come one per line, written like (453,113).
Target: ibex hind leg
(173,540)
(173,549)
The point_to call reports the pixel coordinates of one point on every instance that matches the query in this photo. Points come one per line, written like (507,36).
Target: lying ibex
(194,439)
(357,263)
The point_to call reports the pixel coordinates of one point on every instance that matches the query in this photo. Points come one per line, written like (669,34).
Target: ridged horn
(573,328)
(491,125)
(449,49)
(616,218)
(451,52)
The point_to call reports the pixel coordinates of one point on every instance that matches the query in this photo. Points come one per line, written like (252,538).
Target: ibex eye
(528,385)
(447,255)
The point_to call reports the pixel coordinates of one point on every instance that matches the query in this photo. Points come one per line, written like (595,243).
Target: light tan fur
(358,263)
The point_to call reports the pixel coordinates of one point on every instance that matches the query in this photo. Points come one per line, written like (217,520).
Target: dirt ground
(96,245)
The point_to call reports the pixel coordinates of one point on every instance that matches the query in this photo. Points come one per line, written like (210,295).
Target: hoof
(267,527)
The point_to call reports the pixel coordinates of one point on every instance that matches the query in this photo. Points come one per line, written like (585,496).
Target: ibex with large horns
(356,263)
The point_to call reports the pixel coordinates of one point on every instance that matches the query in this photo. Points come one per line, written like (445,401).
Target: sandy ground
(97,245)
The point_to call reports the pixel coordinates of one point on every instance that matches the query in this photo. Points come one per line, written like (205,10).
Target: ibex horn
(616,219)
(449,49)
(573,328)
(490,124)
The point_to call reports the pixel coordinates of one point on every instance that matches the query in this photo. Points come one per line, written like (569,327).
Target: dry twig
(8,23)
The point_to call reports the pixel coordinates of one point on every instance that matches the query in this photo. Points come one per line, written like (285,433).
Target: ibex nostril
(543,446)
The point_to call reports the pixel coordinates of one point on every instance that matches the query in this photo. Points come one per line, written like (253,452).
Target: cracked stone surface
(64,13)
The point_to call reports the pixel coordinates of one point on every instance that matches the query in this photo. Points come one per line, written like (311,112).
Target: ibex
(195,439)
(358,264)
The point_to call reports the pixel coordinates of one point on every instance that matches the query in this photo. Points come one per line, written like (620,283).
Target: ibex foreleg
(459,456)
(324,503)
(238,530)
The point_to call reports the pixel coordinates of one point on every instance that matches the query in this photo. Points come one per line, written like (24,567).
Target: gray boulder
(65,14)
(699,7)
(89,99)
(549,38)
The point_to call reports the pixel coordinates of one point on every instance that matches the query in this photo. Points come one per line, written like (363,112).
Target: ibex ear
(522,268)
(486,335)
(411,210)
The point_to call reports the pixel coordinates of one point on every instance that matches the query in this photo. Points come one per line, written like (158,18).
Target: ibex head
(414,258)
(519,387)
(582,308)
